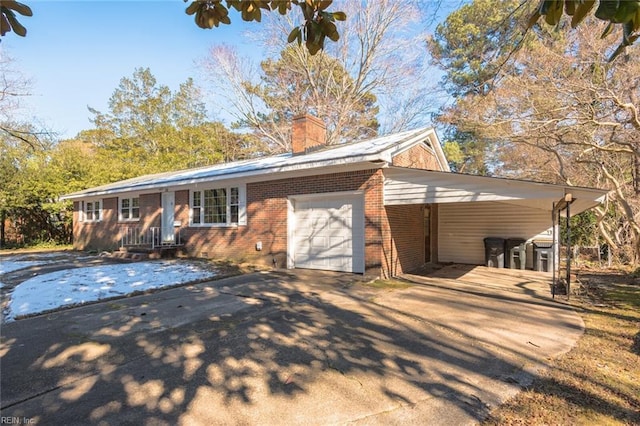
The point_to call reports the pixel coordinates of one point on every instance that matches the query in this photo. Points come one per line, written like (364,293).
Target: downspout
(393,272)
(569,251)
(556,249)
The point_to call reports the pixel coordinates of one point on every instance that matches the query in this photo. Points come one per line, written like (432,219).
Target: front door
(168,217)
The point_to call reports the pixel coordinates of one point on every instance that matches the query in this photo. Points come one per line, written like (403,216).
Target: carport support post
(563,204)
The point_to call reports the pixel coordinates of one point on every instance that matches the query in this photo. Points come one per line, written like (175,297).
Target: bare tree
(14,86)
(379,56)
(568,115)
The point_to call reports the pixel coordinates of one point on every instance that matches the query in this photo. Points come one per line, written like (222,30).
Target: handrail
(135,236)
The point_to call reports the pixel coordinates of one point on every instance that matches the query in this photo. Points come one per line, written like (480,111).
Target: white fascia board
(578,206)
(412,186)
(486,181)
(364,162)
(442,159)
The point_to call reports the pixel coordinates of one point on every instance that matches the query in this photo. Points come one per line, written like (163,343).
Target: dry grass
(598,381)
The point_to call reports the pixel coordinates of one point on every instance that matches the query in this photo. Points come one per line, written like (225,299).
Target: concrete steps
(144,253)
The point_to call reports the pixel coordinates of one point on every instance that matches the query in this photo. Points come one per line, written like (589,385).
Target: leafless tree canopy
(378,65)
(567,115)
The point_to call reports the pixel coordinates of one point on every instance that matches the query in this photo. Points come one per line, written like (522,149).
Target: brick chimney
(307,132)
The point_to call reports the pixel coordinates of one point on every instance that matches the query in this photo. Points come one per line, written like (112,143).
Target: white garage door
(328,233)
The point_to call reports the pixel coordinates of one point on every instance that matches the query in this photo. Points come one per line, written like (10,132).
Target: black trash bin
(494,252)
(516,253)
(542,256)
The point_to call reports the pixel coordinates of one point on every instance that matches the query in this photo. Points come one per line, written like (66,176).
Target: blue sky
(76,52)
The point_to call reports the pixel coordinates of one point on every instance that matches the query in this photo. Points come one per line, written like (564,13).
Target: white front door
(168,217)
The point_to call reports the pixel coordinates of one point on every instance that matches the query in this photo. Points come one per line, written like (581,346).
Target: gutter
(374,160)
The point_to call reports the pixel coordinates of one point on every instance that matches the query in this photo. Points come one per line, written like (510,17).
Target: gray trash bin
(542,256)
(516,253)
(494,252)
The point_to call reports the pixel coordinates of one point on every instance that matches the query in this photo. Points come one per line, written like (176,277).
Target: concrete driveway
(288,347)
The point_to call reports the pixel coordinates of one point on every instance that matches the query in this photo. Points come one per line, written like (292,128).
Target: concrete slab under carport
(493,306)
(296,347)
(521,282)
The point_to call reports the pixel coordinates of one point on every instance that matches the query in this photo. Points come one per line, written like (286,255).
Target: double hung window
(92,211)
(129,209)
(217,206)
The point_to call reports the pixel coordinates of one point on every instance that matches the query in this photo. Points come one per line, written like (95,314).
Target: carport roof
(414,186)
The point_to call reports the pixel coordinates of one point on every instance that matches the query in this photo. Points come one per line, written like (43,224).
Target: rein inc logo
(5,420)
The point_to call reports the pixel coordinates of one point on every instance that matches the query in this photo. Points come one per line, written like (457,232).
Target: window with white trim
(129,209)
(216,207)
(92,211)
(234,204)
(196,207)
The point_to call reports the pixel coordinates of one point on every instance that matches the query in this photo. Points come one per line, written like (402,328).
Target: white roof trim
(414,186)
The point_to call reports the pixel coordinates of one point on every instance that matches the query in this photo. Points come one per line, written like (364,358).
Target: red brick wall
(77,229)
(307,132)
(267,209)
(106,234)
(182,208)
(417,157)
(150,211)
(403,239)
(102,235)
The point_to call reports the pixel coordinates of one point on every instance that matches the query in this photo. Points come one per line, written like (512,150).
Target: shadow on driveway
(297,347)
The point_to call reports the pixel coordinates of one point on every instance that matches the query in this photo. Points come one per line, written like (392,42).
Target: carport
(458,211)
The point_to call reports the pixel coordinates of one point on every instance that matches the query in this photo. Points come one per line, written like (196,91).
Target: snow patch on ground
(22,261)
(89,284)
(7,264)
(43,255)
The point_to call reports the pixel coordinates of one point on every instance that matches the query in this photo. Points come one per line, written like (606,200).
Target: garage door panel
(324,234)
(338,224)
(319,243)
(337,245)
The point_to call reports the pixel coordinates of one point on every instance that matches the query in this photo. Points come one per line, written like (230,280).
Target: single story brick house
(379,207)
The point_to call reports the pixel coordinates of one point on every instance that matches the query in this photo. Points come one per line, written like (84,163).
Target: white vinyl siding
(462,228)
(409,186)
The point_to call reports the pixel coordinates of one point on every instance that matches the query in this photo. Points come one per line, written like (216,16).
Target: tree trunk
(3,215)
(636,174)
